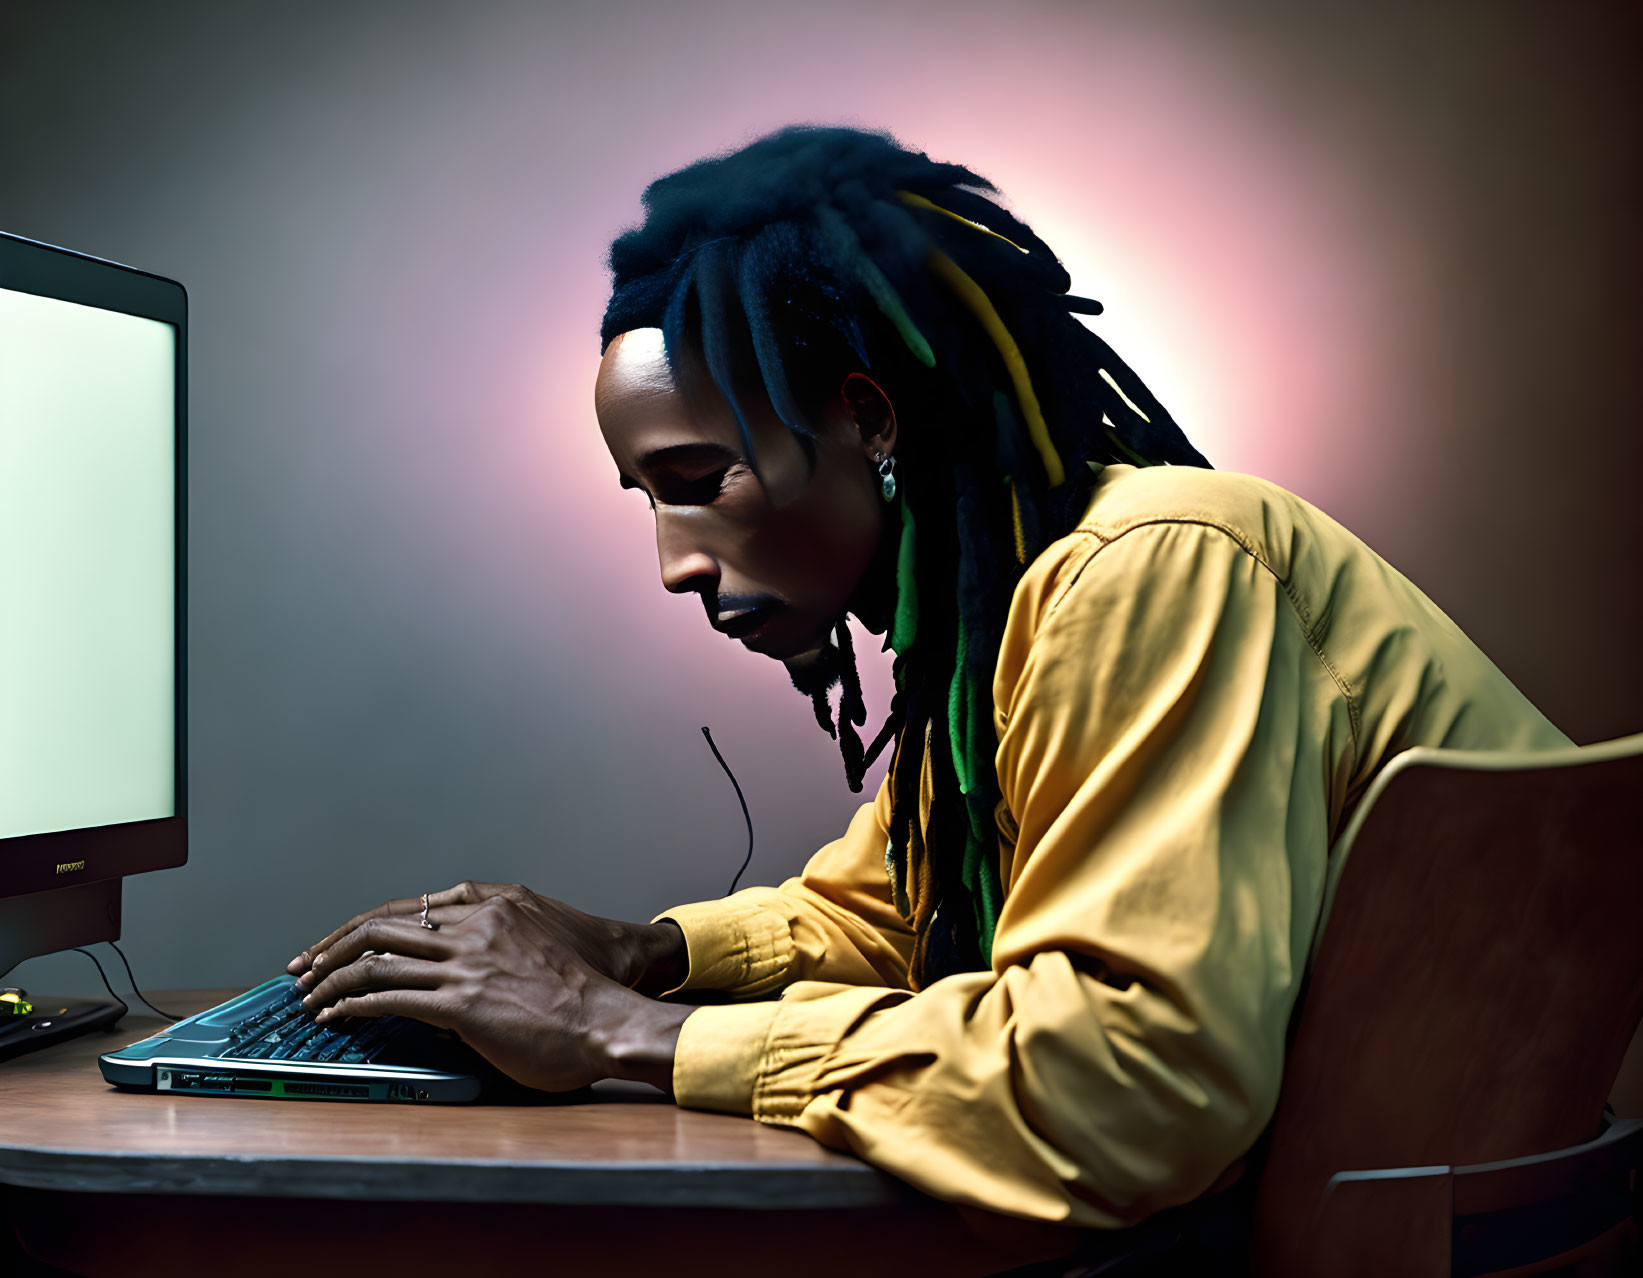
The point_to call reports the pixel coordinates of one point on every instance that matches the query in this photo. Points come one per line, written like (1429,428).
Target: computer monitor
(93,372)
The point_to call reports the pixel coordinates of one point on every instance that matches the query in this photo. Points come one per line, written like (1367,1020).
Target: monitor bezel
(63,858)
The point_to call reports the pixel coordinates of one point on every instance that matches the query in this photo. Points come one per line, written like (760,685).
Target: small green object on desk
(14,1003)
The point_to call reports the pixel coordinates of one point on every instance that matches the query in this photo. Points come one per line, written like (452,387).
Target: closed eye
(677,491)
(699,491)
(677,477)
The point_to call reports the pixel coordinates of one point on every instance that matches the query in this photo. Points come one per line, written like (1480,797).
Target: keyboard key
(369,1039)
(295,1039)
(249,1032)
(271,1036)
(328,1046)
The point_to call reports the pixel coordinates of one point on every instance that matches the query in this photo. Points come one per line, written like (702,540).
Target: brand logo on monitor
(68,867)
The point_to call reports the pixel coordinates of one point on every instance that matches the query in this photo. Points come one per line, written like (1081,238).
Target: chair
(1468,1006)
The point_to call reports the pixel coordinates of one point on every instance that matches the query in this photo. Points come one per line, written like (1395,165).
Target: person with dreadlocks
(1048,969)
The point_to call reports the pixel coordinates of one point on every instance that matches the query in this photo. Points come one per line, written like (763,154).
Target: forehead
(641,407)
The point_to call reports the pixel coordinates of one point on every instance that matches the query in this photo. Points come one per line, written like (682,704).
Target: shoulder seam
(1245,543)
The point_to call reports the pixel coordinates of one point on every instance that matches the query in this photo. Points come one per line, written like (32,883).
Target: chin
(803,651)
(812,653)
(801,654)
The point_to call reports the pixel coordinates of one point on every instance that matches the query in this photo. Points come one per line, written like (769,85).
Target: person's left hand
(510,985)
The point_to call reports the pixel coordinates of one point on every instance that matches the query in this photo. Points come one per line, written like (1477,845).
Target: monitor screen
(87,556)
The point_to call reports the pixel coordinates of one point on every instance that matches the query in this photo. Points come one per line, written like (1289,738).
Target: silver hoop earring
(887,475)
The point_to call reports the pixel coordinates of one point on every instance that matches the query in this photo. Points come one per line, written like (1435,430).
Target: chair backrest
(1476,981)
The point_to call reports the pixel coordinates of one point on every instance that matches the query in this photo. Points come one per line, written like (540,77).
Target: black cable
(140,996)
(124,1006)
(749,857)
(170,1016)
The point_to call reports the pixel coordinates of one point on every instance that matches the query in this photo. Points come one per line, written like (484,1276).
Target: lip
(750,624)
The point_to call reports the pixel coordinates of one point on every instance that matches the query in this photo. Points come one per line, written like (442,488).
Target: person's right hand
(647,957)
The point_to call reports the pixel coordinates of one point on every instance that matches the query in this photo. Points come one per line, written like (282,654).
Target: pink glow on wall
(1246,277)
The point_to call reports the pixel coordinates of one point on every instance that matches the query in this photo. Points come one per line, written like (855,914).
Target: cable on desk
(749,857)
(124,1006)
(142,998)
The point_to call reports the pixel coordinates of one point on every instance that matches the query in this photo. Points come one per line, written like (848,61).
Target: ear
(873,413)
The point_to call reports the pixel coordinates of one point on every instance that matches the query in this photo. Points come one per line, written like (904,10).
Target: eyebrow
(676,454)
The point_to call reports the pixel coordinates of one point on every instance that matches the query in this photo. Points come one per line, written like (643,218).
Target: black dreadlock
(814,251)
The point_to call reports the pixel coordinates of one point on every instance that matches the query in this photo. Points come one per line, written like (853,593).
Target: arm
(833,922)
(1154,698)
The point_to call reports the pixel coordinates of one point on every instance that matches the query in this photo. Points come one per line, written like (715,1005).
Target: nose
(686,567)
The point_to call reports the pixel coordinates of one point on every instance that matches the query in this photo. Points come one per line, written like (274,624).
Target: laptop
(261,1043)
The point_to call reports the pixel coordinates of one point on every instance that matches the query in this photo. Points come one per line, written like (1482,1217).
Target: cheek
(818,551)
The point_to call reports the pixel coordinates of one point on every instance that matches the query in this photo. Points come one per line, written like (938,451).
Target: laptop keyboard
(284,1032)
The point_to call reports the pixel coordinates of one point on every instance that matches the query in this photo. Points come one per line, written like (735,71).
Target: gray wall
(1384,255)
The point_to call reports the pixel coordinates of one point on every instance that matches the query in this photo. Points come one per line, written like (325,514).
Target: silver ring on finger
(425,920)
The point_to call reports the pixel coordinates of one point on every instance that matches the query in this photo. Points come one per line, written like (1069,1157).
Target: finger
(389,936)
(467,893)
(373,971)
(401,935)
(385,936)
(421,1005)
(387,909)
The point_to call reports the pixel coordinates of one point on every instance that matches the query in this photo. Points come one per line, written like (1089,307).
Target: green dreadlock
(816,251)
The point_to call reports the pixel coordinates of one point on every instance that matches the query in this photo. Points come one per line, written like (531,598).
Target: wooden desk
(99,1181)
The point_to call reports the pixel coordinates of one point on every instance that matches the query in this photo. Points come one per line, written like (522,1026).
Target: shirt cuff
(802,1041)
(716,1064)
(766,1060)
(736,944)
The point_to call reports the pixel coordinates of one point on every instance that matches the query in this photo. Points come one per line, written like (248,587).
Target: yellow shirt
(1194,689)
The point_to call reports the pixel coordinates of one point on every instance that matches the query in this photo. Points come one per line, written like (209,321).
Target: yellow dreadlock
(972,295)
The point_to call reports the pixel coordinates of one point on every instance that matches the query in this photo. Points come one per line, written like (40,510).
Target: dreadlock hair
(814,251)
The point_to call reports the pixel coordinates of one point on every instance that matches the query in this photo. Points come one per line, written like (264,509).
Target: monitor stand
(43,923)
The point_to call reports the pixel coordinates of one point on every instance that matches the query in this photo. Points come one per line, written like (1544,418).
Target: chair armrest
(1486,1216)
(1614,1156)
(1395,1220)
